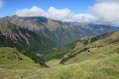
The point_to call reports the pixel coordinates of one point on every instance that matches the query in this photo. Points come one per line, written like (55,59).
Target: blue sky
(97,11)
(76,6)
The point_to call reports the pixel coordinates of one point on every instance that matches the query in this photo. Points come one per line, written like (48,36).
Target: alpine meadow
(59,39)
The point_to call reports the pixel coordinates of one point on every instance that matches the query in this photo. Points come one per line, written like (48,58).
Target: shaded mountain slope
(61,33)
(26,38)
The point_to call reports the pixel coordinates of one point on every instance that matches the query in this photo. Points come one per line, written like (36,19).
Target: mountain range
(91,57)
(61,33)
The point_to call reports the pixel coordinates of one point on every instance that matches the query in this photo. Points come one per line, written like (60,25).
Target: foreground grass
(103,65)
(54,63)
(102,68)
(100,61)
(106,68)
(14,65)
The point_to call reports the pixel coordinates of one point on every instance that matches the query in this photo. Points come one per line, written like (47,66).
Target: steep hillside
(60,32)
(26,38)
(95,57)
(104,43)
(86,47)
(9,56)
(71,48)
(7,42)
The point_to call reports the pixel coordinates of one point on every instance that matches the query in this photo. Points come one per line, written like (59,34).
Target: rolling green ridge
(84,47)
(69,49)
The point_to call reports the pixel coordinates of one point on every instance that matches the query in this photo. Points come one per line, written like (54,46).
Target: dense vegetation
(7,42)
(34,57)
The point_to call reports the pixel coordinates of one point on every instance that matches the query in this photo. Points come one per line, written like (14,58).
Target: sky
(97,11)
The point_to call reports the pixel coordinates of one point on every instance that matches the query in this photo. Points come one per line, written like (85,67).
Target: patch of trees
(34,57)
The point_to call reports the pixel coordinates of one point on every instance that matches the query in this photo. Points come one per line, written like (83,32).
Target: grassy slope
(59,53)
(69,49)
(13,64)
(103,68)
(105,42)
(104,65)
(100,62)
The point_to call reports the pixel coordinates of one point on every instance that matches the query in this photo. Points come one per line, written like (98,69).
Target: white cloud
(103,11)
(1,3)
(106,11)
(59,14)
(53,13)
(34,11)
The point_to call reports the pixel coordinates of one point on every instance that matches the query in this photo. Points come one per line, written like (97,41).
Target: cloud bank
(103,11)
(53,13)
(106,11)
(1,3)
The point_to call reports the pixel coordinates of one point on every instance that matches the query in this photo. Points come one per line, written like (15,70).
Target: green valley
(94,57)
(59,39)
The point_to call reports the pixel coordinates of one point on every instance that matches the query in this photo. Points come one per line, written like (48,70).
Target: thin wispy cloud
(1,3)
